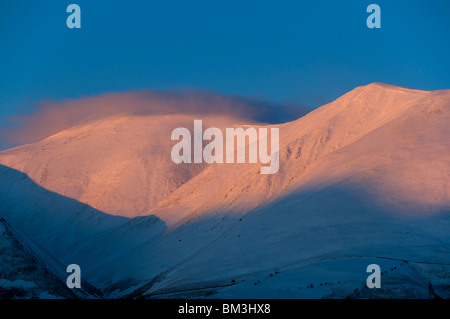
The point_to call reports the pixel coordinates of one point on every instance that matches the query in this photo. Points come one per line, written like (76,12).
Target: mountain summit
(363,177)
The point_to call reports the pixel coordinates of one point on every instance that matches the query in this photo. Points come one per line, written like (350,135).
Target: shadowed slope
(26,271)
(51,220)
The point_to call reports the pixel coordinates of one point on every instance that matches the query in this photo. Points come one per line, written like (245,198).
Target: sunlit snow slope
(362,180)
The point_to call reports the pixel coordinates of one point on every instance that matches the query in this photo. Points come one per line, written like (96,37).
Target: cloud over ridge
(50,117)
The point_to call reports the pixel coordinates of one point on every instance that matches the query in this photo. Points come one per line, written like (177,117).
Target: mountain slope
(120,165)
(57,223)
(362,178)
(306,143)
(26,271)
(380,192)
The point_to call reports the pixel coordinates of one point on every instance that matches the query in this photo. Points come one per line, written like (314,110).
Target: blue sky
(307,52)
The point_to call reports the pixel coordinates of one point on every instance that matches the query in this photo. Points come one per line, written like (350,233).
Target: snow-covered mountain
(362,180)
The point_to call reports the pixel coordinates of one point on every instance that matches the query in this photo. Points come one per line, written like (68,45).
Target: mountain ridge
(364,176)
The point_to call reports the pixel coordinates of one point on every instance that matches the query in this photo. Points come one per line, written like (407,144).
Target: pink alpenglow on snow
(213,152)
(362,180)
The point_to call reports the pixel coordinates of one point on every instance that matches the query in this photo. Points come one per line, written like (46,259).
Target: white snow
(363,179)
